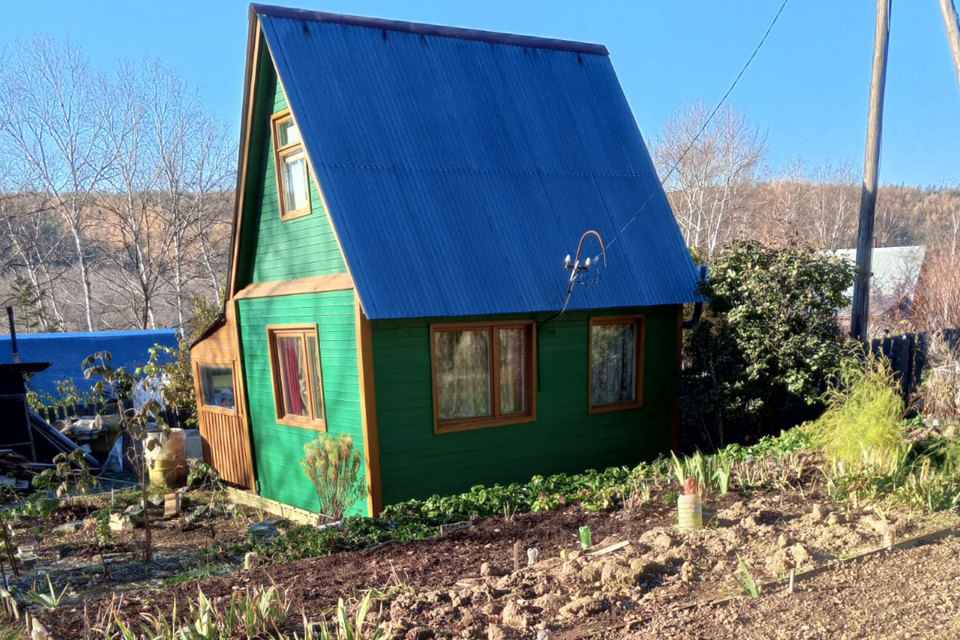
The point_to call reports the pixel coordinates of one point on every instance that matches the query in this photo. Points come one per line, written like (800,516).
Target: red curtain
(291,361)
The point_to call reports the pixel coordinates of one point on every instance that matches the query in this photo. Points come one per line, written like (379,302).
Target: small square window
(297,379)
(616,363)
(483,375)
(293,180)
(216,381)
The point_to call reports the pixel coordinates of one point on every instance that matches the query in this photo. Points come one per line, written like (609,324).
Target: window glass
(463,374)
(287,132)
(614,353)
(315,381)
(512,371)
(217,385)
(295,181)
(293,374)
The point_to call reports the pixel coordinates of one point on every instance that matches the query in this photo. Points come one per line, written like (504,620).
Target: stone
(262,531)
(156,500)
(122,522)
(488,570)
(496,632)
(663,542)
(419,633)
(70,527)
(515,616)
(570,554)
(587,605)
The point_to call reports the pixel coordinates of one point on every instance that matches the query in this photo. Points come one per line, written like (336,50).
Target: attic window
(291,161)
(482,375)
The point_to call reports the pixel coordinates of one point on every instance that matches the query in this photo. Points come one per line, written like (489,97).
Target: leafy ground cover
(770,508)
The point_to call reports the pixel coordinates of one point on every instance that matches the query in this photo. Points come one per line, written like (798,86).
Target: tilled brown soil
(913,593)
(441,588)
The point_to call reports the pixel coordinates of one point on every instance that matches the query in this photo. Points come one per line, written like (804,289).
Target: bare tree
(56,133)
(138,240)
(834,206)
(713,175)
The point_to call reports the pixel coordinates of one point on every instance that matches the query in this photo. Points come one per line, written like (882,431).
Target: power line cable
(705,124)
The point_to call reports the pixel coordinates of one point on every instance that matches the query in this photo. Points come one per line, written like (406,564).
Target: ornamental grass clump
(336,471)
(864,411)
(939,393)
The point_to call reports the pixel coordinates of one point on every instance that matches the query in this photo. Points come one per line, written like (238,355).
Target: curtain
(614,363)
(295,383)
(463,374)
(512,382)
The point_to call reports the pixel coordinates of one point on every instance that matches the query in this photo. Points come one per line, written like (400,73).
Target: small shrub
(864,410)
(336,471)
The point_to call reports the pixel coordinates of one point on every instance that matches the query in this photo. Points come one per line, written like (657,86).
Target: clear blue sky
(807,88)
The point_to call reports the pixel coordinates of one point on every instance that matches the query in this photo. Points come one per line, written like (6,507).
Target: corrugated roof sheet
(460,167)
(896,274)
(67,351)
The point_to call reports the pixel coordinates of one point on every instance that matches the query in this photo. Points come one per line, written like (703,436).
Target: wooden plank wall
(224,446)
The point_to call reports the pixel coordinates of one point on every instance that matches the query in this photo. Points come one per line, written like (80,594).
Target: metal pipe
(13,336)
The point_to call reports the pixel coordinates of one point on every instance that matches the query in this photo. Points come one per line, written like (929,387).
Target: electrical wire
(705,124)
(683,154)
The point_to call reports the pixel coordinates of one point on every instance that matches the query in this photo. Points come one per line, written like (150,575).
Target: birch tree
(710,177)
(56,133)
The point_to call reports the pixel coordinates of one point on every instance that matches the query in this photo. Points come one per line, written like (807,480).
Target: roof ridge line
(419,28)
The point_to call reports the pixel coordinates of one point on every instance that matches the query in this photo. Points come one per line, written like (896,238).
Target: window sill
(293,215)
(617,406)
(303,423)
(212,408)
(457,426)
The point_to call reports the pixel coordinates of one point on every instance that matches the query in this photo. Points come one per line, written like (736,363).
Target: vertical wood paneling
(225,446)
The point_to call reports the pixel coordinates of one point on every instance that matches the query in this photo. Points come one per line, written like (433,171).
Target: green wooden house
(407,194)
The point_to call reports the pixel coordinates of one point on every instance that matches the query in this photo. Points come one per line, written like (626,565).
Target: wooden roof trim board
(249,103)
(316,177)
(432,30)
(313,284)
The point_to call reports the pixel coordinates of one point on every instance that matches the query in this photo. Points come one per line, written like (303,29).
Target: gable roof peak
(429,29)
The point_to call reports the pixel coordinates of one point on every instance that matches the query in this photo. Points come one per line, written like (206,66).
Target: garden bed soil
(438,586)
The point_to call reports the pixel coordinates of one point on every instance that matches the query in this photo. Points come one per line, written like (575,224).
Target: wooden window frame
(212,407)
(495,419)
(640,322)
(303,331)
(279,153)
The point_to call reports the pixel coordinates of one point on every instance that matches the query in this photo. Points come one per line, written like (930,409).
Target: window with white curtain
(616,363)
(483,374)
(291,160)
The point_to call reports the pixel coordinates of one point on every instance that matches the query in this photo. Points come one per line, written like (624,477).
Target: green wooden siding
(415,462)
(279,448)
(268,243)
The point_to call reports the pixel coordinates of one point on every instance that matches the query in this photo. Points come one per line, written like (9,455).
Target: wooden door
(223,426)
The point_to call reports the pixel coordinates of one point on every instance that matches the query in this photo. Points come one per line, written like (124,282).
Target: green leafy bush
(767,345)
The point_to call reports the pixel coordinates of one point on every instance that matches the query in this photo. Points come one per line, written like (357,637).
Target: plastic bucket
(690,510)
(169,473)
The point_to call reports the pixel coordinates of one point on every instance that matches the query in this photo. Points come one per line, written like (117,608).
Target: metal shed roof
(460,167)
(67,351)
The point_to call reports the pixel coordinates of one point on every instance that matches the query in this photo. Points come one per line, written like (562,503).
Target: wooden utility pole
(871,170)
(950,19)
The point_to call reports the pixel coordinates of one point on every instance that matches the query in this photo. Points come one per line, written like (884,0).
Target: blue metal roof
(67,351)
(460,167)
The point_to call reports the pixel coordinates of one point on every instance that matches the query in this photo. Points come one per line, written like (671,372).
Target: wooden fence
(908,355)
